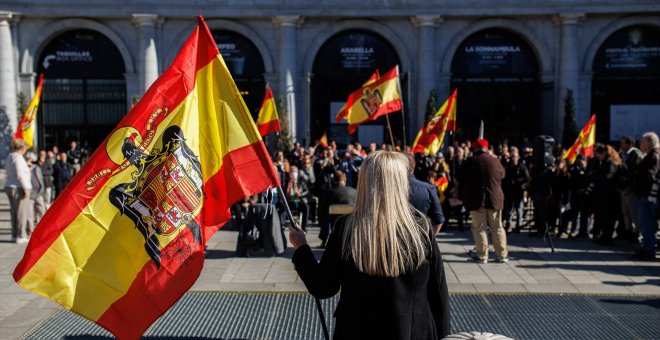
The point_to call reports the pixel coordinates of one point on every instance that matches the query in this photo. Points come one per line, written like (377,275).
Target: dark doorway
(625,91)
(84,94)
(245,65)
(341,66)
(496,73)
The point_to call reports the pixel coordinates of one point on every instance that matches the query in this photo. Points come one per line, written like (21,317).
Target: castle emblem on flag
(372,101)
(166,191)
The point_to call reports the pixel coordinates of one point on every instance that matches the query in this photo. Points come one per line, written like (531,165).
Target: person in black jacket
(340,194)
(62,173)
(646,173)
(384,259)
(514,182)
(604,193)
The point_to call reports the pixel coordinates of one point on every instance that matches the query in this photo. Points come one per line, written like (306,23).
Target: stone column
(569,64)
(7,71)
(426,70)
(287,68)
(148,57)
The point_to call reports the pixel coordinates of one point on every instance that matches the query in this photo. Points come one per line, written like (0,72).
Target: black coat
(412,306)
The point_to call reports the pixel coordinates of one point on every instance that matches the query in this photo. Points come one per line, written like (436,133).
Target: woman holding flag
(384,258)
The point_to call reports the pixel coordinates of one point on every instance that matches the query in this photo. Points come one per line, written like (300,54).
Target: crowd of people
(501,187)
(612,195)
(34,180)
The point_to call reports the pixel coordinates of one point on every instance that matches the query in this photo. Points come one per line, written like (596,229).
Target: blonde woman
(384,259)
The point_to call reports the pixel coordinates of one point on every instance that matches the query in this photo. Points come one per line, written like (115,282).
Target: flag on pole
(584,144)
(25,128)
(126,238)
(430,137)
(344,109)
(374,100)
(268,120)
(324,140)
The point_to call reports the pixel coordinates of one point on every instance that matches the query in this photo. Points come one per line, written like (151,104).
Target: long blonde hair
(385,235)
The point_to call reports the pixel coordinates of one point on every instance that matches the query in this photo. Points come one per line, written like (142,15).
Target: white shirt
(18,173)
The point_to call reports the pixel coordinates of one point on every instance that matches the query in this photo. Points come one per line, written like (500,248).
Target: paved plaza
(578,267)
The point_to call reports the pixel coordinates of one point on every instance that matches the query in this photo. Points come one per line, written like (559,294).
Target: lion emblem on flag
(166,191)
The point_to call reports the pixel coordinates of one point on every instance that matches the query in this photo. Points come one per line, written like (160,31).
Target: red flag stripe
(271,126)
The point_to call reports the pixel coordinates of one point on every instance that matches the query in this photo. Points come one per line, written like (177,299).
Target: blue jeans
(648,224)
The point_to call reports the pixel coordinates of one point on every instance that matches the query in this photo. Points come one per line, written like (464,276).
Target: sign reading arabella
(631,49)
(494,52)
(357,57)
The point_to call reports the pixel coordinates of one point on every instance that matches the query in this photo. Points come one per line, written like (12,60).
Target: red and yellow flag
(324,140)
(430,137)
(378,98)
(343,112)
(25,128)
(268,120)
(584,144)
(126,238)
(441,184)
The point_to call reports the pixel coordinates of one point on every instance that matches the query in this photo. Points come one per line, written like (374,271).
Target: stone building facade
(511,60)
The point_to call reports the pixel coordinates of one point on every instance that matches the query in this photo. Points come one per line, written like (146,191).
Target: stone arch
(616,25)
(56,28)
(225,25)
(366,25)
(535,42)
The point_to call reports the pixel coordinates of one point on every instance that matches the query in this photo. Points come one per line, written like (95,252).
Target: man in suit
(424,197)
(480,188)
(62,172)
(339,194)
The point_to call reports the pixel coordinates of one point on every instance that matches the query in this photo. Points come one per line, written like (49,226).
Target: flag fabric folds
(584,144)
(268,120)
(373,100)
(25,128)
(324,140)
(430,137)
(343,112)
(126,238)
(441,184)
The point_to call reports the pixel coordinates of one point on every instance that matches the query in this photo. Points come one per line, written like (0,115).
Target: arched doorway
(496,73)
(84,95)
(626,83)
(341,66)
(245,65)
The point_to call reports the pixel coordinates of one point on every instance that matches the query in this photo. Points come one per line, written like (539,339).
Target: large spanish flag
(584,144)
(374,100)
(25,128)
(268,120)
(126,238)
(430,137)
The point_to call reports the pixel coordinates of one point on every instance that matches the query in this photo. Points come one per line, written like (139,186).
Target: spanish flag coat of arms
(126,238)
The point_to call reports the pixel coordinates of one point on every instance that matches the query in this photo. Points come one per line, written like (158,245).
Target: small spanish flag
(126,238)
(268,120)
(441,184)
(25,128)
(324,140)
(584,144)
(374,100)
(430,137)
